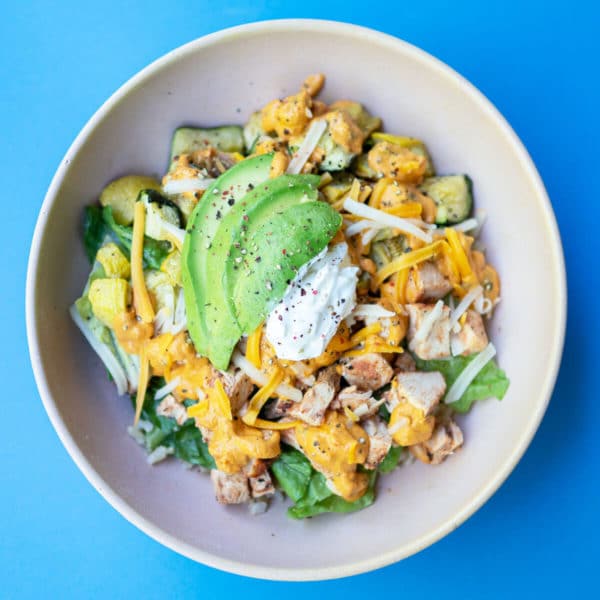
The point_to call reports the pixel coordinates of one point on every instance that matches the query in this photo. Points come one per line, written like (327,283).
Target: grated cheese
(141,298)
(222,400)
(165,390)
(191,184)
(259,378)
(309,143)
(274,425)
(428,322)
(462,382)
(463,305)
(379,216)
(262,395)
(408,260)
(253,347)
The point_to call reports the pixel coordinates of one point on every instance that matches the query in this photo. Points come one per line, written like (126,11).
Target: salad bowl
(219,79)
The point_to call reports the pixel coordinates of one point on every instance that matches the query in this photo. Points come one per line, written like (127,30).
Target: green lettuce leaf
(390,462)
(155,251)
(320,499)
(293,472)
(491,381)
(308,488)
(94,231)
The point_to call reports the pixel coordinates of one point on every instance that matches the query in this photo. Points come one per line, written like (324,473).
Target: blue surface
(538,63)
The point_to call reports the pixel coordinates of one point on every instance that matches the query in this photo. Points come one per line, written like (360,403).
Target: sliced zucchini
(362,169)
(452,195)
(336,157)
(122,193)
(337,187)
(228,138)
(253,130)
(159,210)
(385,251)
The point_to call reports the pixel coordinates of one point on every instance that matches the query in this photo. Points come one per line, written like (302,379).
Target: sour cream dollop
(316,301)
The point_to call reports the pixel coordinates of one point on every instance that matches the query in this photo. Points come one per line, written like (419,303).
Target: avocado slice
(272,250)
(202,226)
(219,313)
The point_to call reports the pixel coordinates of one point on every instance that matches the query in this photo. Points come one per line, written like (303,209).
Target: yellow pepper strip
(462,262)
(407,210)
(142,384)
(351,414)
(141,298)
(407,260)
(222,399)
(198,410)
(401,281)
(253,347)
(364,333)
(264,393)
(378,190)
(274,425)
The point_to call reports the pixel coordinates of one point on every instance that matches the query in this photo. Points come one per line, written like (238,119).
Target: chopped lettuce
(99,222)
(186,440)
(390,462)
(491,381)
(308,488)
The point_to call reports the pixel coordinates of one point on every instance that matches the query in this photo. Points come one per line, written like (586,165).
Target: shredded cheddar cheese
(253,347)
(222,400)
(274,425)
(141,298)
(262,395)
(460,257)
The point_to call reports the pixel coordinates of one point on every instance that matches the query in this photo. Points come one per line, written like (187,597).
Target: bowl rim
(490,486)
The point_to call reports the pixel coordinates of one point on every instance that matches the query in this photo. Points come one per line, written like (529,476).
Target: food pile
(299,304)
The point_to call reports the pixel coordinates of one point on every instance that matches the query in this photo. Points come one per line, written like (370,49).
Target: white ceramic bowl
(219,79)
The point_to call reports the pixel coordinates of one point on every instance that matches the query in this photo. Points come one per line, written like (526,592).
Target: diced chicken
(447,437)
(261,485)
(409,425)
(391,160)
(169,407)
(404,363)
(423,390)
(312,408)
(380,441)
(238,386)
(436,343)
(362,404)
(259,479)
(472,336)
(426,282)
(230,489)
(367,372)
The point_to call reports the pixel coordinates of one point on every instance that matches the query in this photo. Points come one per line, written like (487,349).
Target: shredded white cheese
(309,143)
(165,390)
(463,305)
(358,226)
(483,305)
(158,454)
(259,378)
(469,373)
(378,216)
(181,186)
(428,322)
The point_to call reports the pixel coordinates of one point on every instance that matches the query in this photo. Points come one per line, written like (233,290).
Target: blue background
(538,62)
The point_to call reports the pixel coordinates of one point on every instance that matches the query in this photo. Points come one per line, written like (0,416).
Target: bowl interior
(221,80)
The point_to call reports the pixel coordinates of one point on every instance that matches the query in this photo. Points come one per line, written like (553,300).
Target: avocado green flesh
(274,251)
(248,212)
(203,223)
